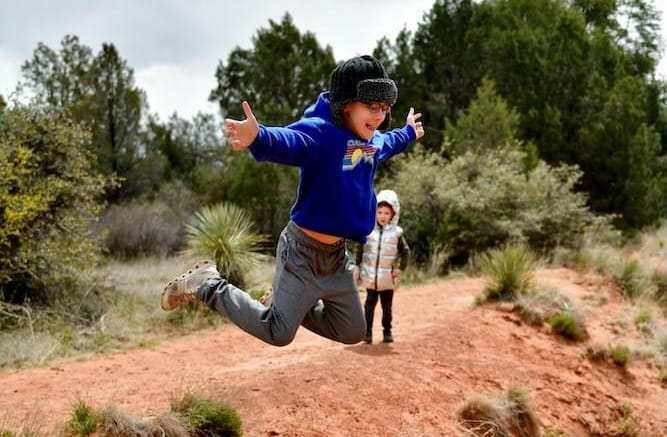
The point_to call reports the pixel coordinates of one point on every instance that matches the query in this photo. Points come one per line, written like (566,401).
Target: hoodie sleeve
(282,145)
(397,140)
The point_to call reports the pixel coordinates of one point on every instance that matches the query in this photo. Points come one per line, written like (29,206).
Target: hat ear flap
(386,124)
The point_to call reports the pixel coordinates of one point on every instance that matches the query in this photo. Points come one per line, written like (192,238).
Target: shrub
(225,232)
(509,271)
(567,326)
(48,195)
(633,280)
(508,414)
(478,201)
(148,227)
(83,420)
(620,355)
(537,306)
(208,417)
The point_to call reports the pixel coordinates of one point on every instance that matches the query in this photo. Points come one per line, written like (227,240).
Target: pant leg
(337,313)
(312,286)
(369,308)
(386,301)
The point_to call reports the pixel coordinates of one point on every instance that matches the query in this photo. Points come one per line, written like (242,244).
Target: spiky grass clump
(510,414)
(208,417)
(537,306)
(509,271)
(83,420)
(567,325)
(620,355)
(226,233)
(114,423)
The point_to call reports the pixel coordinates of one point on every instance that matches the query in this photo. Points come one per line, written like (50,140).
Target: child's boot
(387,337)
(184,288)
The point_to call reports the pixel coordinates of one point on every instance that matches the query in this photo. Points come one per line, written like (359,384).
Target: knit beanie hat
(361,79)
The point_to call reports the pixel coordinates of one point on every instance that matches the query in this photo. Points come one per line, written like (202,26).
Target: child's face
(363,119)
(384,214)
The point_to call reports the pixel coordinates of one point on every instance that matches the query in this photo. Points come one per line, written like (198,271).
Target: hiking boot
(387,337)
(184,288)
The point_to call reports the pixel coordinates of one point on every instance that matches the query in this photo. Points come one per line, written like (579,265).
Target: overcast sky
(174,46)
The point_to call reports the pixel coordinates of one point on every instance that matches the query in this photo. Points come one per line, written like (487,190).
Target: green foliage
(578,75)
(627,425)
(487,124)
(96,91)
(633,279)
(83,420)
(280,76)
(208,417)
(225,232)
(620,355)
(509,271)
(566,325)
(181,150)
(48,198)
(490,194)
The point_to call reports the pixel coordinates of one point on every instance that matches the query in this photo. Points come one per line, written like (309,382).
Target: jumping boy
(337,147)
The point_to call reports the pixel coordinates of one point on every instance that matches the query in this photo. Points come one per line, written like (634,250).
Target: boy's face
(363,119)
(384,214)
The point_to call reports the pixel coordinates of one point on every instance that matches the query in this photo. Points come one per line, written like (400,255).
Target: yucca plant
(225,232)
(508,270)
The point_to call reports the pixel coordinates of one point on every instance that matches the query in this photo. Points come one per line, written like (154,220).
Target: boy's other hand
(416,125)
(241,133)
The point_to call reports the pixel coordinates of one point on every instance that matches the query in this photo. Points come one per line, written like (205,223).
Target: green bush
(620,355)
(225,232)
(83,420)
(567,326)
(48,195)
(475,202)
(508,271)
(208,417)
(492,190)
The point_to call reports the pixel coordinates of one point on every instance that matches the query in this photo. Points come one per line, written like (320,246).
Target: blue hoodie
(336,168)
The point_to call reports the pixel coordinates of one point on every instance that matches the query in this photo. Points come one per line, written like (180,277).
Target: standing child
(381,261)
(337,147)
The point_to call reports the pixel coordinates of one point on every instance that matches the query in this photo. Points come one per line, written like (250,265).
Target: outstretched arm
(416,125)
(242,133)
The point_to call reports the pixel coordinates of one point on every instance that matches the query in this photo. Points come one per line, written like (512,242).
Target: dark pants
(386,299)
(313,287)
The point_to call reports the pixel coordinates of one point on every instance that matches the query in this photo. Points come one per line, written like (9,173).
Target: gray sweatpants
(313,286)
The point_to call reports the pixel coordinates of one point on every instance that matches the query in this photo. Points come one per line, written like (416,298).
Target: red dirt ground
(446,351)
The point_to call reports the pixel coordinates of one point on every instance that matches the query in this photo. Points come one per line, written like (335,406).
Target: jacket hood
(321,108)
(390,197)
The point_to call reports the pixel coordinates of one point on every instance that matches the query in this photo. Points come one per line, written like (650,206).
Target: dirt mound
(446,351)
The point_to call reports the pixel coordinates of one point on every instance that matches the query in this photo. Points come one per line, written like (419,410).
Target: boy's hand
(416,125)
(241,134)
(396,273)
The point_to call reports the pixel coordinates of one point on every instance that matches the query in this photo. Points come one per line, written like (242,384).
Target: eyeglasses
(376,108)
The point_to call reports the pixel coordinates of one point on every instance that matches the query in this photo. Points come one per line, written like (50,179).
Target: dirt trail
(446,351)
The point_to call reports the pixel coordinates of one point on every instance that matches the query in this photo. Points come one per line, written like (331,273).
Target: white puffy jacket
(383,249)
